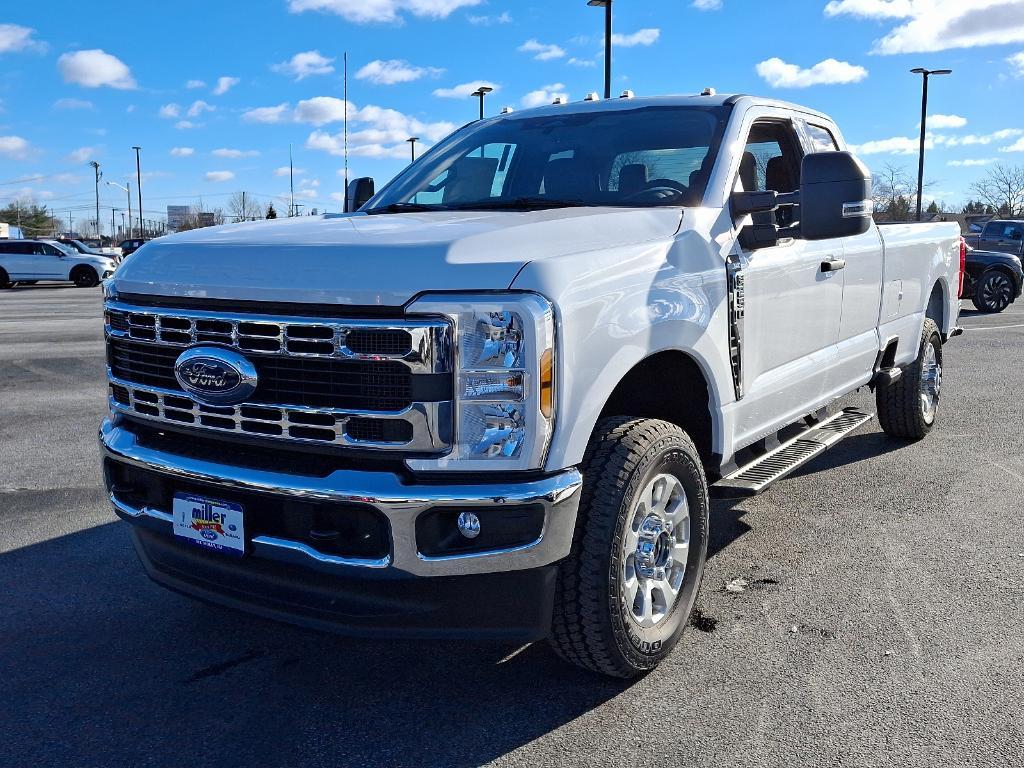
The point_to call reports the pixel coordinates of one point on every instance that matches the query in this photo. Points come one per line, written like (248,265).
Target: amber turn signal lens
(547,383)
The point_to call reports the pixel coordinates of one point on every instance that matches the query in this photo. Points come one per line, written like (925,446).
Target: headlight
(504,380)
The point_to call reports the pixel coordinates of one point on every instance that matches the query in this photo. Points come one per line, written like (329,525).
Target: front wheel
(85,277)
(627,589)
(994,291)
(907,407)
(5,280)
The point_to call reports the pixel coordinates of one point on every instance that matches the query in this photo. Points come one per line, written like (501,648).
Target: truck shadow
(105,668)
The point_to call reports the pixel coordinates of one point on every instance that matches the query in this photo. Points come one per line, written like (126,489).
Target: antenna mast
(345,58)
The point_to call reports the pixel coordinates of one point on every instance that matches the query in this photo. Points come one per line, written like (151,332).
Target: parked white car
(32,261)
(493,402)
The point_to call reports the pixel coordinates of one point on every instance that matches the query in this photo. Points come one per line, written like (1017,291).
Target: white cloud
(707,5)
(15,38)
(81,154)
(464,90)
(368,11)
(321,110)
(641,37)
(14,147)
(543,51)
(487,21)
(779,74)
(581,62)
(170,111)
(225,84)
(184,125)
(305,64)
(946,121)
(266,114)
(284,170)
(198,107)
(546,94)
(380,133)
(73,104)
(938,25)
(1017,146)
(234,153)
(971,140)
(897,145)
(394,71)
(193,84)
(95,68)
(182,151)
(1017,63)
(219,176)
(970,163)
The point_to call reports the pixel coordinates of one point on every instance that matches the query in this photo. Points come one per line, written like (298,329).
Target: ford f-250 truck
(492,402)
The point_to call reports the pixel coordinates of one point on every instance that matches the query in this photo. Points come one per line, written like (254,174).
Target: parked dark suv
(1003,235)
(992,280)
(131,246)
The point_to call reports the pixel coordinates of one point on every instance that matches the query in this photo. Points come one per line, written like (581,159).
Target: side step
(776,464)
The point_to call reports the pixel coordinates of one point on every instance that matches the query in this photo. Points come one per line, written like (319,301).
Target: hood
(384,259)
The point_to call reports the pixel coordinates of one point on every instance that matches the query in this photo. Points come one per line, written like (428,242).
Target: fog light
(469,525)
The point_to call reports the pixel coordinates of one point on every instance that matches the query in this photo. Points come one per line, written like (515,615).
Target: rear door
(792,305)
(15,259)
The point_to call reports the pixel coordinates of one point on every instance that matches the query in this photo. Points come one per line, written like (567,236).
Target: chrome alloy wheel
(655,551)
(931,383)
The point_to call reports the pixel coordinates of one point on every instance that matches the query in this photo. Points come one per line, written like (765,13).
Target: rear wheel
(626,591)
(908,407)
(5,280)
(85,277)
(994,291)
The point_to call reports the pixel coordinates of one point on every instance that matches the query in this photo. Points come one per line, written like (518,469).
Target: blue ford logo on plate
(216,376)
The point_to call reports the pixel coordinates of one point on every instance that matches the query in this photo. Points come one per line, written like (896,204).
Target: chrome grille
(379,384)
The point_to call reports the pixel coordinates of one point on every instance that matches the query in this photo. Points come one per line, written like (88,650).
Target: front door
(793,301)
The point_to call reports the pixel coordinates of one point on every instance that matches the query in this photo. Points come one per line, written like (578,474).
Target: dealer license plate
(209,523)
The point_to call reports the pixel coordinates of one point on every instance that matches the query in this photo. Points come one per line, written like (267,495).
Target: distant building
(207,219)
(176,216)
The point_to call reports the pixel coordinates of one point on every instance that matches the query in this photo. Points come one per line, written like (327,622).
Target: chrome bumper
(400,504)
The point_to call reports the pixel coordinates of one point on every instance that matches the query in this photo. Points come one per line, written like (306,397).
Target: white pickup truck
(494,400)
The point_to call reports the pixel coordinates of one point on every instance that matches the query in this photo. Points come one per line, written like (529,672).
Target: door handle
(833,265)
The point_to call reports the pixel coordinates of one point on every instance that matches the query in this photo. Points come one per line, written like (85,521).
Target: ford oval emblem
(216,376)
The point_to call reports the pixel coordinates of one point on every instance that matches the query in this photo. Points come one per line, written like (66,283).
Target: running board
(791,455)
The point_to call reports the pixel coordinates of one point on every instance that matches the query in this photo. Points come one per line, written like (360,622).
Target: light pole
(480,92)
(127,190)
(925,74)
(412,146)
(607,5)
(138,181)
(99,174)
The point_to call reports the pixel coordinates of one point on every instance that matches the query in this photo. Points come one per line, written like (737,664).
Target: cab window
(821,138)
(771,161)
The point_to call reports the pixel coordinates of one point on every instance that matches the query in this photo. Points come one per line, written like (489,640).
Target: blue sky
(215,92)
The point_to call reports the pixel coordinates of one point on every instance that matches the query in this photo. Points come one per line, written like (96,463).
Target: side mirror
(358,193)
(835,196)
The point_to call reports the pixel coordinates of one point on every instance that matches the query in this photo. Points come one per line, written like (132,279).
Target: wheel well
(79,268)
(937,306)
(668,386)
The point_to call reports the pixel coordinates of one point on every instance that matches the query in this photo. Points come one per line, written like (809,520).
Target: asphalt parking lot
(882,624)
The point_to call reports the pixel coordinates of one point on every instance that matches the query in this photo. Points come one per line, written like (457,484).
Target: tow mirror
(835,196)
(358,193)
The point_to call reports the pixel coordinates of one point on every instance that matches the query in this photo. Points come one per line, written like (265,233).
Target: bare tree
(243,207)
(198,218)
(894,194)
(1002,189)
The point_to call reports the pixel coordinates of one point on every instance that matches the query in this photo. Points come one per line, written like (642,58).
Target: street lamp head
(923,71)
(483,90)
(413,139)
(919,71)
(598,3)
(942,71)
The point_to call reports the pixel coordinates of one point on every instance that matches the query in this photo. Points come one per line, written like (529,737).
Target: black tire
(994,291)
(902,410)
(591,626)
(85,277)
(5,280)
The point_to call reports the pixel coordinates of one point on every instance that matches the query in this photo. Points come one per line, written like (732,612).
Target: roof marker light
(592,96)
(708,92)
(560,100)
(507,110)
(627,94)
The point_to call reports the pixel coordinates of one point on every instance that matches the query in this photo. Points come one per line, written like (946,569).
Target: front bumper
(399,503)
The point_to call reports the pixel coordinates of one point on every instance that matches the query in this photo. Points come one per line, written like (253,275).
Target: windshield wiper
(521,203)
(408,208)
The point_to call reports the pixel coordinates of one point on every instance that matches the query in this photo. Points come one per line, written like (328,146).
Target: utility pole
(925,74)
(111,227)
(128,191)
(71,224)
(607,5)
(138,181)
(99,174)
(345,126)
(243,206)
(291,181)
(123,230)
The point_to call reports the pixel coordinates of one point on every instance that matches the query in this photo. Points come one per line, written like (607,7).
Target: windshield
(63,247)
(652,156)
